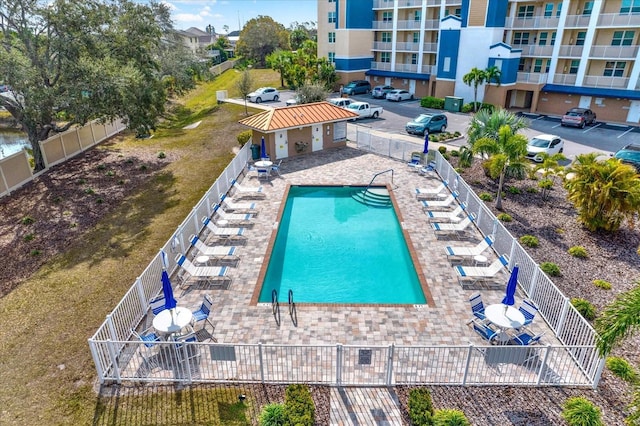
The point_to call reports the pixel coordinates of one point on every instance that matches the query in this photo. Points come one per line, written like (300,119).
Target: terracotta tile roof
(297,116)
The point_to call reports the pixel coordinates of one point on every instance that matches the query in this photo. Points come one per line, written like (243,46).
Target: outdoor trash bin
(255,151)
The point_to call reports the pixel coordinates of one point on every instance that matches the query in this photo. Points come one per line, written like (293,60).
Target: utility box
(453,104)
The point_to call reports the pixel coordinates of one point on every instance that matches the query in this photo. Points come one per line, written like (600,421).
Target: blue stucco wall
(496,13)
(353,64)
(449,47)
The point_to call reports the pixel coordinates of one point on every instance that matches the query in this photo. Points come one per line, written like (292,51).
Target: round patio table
(172,320)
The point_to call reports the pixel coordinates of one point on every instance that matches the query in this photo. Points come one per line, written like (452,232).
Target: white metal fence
(118,358)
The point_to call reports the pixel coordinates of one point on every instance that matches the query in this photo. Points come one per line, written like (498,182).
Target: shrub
(529,241)
(110,173)
(420,407)
(621,368)
(578,251)
(446,156)
(243,137)
(457,134)
(121,182)
(469,107)
(431,102)
(504,217)
(144,167)
(584,307)
(550,269)
(605,285)
(298,405)
(89,191)
(442,149)
(455,153)
(27,220)
(450,417)
(35,252)
(578,411)
(545,184)
(102,166)
(466,157)
(532,190)
(162,155)
(272,415)
(29,237)
(485,196)
(514,190)
(57,199)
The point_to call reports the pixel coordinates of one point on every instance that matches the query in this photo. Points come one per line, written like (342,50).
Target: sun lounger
(470,275)
(230,217)
(248,191)
(422,193)
(207,274)
(430,204)
(219,231)
(452,216)
(442,229)
(230,205)
(461,252)
(213,251)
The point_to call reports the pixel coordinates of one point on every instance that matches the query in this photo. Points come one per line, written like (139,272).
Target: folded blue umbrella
(167,289)
(512,284)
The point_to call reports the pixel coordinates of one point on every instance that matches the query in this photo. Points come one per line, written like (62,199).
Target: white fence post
(261,362)
(543,367)
(143,298)
(112,328)
(466,365)
(563,316)
(96,360)
(338,364)
(596,378)
(114,361)
(390,365)
(534,279)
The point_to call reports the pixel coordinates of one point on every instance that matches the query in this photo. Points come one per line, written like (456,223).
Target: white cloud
(171,6)
(188,17)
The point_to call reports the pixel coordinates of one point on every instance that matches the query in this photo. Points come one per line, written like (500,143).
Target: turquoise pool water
(331,248)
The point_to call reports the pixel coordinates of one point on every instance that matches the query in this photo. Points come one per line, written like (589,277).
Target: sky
(200,13)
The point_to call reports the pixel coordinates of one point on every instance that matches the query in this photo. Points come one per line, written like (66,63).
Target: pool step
(374,197)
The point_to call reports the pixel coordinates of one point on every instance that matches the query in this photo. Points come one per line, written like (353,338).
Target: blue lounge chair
(477,307)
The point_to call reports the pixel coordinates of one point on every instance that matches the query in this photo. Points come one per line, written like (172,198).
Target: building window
(387,16)
(521,64)
(332,57)
(385,57)
(332,17)
(446,64)
(614,69)
(332,37)
(559,9)
(542,38)
(416,37)
(414,59)
(623,38)
(548,10)
(520,38)
(588,8)
(417,15)
(537,65)
(630,6)
(580,38)
(332,1)
(573,69)
(526,11)
(553,38)
(386,37)
(456,12)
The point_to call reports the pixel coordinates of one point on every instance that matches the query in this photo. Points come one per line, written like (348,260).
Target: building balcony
(535,50)
(410,68)
(430,47)
(382,45)
(402,4)
(388,4)
(408,25)
(570,51)
(407,46)
(382,25)
(617,20)
(577,21)
(453,2)
(382,66)
(430,69)
(536,22)
(532,77)
(614,52)
(565,79)
(406,68)
(608,82)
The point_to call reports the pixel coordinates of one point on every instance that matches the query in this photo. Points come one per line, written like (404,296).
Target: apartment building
(553,55)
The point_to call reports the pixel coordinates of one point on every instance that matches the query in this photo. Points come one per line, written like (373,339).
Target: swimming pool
(330,248)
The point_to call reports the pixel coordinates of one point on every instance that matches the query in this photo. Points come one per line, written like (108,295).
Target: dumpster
(255,151)
(453,104)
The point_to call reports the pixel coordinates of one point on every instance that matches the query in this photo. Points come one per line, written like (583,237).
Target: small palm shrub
(605,285)
(450,417)
(584,307)
(162,155)
(485,196)
(514,190)
(466,157)
(550,269)
(243,137)
(504,217)
(29,237)
(529,241)
(532,190)
(442,149)
(455,153)
(457,134)
(621,368)
(272,415)
(578,251)
(420,407)
(578,411)
(27,220)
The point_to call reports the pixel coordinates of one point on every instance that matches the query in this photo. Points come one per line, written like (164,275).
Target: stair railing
(364,195)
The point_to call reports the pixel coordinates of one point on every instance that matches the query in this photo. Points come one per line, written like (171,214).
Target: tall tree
(244,87)
(605,193)
(261,36)
(279,61)
(78,61)
(475,78)
(506,156)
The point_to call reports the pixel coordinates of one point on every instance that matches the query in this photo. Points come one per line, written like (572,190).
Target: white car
(399,95)
(264,94)
(544,144)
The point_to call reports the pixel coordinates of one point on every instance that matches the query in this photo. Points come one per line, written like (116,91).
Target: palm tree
(474,78)
(605,193)
(492,75)
(487,124)
(280,61)
(506,156)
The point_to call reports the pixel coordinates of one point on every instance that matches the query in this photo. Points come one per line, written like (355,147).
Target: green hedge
(298,406)
(431,102)
(420,407)
(469,107)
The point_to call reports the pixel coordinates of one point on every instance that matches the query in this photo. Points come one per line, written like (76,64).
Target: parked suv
(433,122)
(357,87)
(380,92)
(578,117)
(630,154)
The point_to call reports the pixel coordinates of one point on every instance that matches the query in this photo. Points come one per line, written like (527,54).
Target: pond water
(12,142)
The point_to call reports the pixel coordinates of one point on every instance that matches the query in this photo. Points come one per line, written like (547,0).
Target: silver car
(264,94)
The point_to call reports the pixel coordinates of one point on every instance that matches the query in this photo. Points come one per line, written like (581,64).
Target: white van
(341,102)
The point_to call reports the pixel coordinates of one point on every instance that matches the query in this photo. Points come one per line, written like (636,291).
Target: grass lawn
(46,367)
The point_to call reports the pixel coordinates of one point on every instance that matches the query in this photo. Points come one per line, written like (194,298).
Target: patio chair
(416,162)
(526,339)
(275,168)
(202,314)
(430,204)
(529,310)
(422,193)
(443,229)
(470,275)
(459,252)
(452,216)
(230,217)
(149,340)
(212,251)
(477,307)
(204,274)
(263,173)
(157,305)
(486,332)
(241,190)
(220,231)
(185,351)
(229,204)
(429,169)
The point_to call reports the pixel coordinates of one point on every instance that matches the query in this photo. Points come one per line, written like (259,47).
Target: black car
(629,154)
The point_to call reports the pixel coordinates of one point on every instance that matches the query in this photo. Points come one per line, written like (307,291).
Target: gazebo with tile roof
(309,127)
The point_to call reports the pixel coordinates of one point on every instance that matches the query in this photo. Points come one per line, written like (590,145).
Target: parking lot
(602,137)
